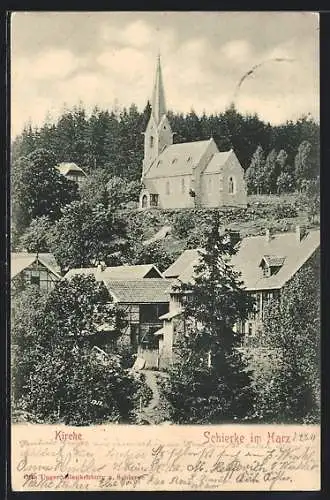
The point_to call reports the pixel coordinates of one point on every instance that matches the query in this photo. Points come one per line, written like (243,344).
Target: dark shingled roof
(152,290)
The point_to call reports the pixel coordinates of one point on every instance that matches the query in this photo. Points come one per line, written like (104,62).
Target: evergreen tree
(255,173)
(209,382)
(306,163)
(270,173)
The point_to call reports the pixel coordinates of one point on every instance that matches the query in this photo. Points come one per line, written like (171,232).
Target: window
(151,141)
(159,162)
(266,271)
(35,280)
(144,201)
(188,159)
(174,160)
(231,187)
(182,185)
(167,187)
(154,200)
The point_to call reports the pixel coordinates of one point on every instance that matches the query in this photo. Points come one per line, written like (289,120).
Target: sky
(108,59)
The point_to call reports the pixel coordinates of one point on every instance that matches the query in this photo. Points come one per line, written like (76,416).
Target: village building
(72,172)
(40,270)
(153,306)
(266,263)
(142,293)
(186,175)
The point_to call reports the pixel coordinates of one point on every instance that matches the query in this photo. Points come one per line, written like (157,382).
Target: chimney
(300,233)
(267,236)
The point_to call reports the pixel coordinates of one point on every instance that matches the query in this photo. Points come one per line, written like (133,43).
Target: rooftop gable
(177,159)
(181,263)
(218,162)
(145,271)
(21,260)
(66,167)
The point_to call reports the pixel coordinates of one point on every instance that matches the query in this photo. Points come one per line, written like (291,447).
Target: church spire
(158,96)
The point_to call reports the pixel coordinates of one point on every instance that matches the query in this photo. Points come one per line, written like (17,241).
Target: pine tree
(209,382)
(270,172)
(306,163)
(255,173)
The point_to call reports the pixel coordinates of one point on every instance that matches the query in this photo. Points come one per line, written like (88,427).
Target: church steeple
(158,134)
(158,96)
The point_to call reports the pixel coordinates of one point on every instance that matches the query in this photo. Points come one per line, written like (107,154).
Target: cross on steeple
(158,96)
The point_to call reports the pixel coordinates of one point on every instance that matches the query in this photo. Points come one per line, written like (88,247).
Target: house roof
(282,247)
(21,260)
(117,272)
(217,162)
(181,263)
(153,290)
(66,167)
(177,159)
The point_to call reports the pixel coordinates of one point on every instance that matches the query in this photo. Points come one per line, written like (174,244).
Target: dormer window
(159,162)
(271,264)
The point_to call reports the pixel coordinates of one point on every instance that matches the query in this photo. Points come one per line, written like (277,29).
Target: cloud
(201,69)
(137,34)
(237,51)
(48,64)
(127,63)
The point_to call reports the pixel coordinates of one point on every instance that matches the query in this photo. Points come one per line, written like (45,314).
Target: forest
(279,156)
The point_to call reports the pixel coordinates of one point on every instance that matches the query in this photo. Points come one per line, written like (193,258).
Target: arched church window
(144,201)
(151,141)
(167,187)
(231,186)
(182,185)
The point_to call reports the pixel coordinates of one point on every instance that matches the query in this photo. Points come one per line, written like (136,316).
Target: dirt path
(153,412)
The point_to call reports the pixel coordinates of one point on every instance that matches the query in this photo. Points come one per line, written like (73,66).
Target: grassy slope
(278,213)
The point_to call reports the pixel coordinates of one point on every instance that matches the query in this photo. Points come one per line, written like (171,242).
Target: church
(189,174)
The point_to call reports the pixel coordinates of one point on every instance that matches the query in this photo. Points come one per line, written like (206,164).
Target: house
(266,263)
(190,174)
(34,269)
(72,172)
(142,293)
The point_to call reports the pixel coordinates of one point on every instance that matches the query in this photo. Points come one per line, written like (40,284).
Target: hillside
(186,228)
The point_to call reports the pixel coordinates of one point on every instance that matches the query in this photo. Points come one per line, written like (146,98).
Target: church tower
(158,133)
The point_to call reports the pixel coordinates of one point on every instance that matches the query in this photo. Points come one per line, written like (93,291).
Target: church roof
(177,159)
(158,95)
(217,162)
